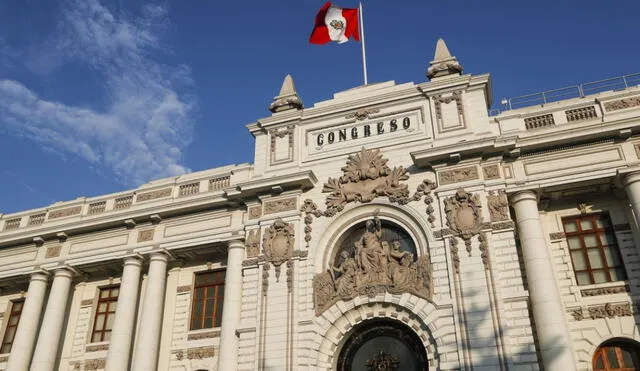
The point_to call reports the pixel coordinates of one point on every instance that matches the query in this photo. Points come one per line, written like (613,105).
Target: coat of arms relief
(465,221)
(278,243)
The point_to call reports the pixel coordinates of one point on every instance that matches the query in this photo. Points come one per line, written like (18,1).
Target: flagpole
(364,54)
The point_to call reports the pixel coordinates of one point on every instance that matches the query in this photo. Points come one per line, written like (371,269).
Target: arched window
(617,356)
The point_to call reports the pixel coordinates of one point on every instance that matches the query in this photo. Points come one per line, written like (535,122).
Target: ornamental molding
(366,177)
(605,291)
(362,114)
(204,335)
(458,175)
(383,362)
(609,310)
(196,353)
(96,348)
(491,172)
(278,206)
(278,243)
(374,267)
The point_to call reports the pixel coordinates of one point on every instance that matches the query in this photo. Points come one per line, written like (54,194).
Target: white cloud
(148,112)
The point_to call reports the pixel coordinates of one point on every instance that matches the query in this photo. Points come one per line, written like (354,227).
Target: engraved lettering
(380,127)
(320,139)
(367,130)
(342,134)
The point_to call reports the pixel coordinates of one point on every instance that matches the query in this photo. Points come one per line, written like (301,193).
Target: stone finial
(288,97)
(443,62)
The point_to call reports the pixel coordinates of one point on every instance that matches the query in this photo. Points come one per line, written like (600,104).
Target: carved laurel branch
(424,190)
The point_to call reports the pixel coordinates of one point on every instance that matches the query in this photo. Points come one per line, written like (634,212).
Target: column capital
(233,244)
(134,259)
(523,195)
(160,255)
(630,178)
(65,271)
(39,275)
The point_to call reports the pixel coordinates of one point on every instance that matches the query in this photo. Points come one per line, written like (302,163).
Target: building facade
(393,227)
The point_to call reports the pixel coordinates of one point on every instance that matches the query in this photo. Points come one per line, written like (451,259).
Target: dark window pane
(208,323)
(612,357)
(599,363)
(627,358)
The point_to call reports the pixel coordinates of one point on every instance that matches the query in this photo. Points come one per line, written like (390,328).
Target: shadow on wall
(483,348)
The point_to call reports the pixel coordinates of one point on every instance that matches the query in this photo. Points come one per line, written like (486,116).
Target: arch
(380,342)
(405,217)
(594,336)
(434,326)
(617,354)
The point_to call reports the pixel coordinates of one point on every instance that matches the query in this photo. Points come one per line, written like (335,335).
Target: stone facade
(367,212)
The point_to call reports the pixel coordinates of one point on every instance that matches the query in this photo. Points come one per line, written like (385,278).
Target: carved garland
(365,177)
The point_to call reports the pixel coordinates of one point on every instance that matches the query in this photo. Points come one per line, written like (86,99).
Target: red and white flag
(335,24)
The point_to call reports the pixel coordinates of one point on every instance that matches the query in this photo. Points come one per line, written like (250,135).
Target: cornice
(300,180)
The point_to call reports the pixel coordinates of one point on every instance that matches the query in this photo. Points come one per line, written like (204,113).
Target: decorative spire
(288,97)
(443,62)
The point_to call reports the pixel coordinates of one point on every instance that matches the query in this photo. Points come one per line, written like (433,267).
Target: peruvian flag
(335,24)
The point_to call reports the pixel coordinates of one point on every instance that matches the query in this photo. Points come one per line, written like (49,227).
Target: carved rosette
(463,216)
(278,243)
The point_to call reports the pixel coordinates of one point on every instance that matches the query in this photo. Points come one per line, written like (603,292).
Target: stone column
(44,358)
(22,348)
(228,352)
(123,325)
(145,357)
(546,302)
(632,186)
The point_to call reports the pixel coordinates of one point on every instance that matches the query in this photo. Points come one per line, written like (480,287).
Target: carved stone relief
(86,302)
(278,243)
(148,196)
(196,353)
(498,205)
(622,103)
(65,212)
(556,235)
(184,289)
(255,212)
(442,119)
(96,348)
(491,172)
(458,175)
(52,252)
(383,362)
(464,220)
(203,335)
(605,291)
(253,243)
(374,266)
(362,114)
(277,206)
(94,364)
(145,235)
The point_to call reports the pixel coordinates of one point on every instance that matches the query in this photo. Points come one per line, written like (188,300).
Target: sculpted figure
(346,283)
(369,248)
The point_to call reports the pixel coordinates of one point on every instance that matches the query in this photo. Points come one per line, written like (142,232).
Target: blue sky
(98,96)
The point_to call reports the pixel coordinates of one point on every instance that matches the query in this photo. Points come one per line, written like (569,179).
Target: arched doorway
(382,345)
(617,355)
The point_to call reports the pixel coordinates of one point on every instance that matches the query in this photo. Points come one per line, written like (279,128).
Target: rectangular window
(208,295)
(593,249)
(105,314)
(12,325)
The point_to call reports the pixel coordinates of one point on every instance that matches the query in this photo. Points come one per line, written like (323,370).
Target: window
(105,314)
(12,325)
(208,295)
(617,356)
(593,248)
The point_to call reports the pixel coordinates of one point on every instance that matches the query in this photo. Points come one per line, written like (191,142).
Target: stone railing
(116,203)
(597,109)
